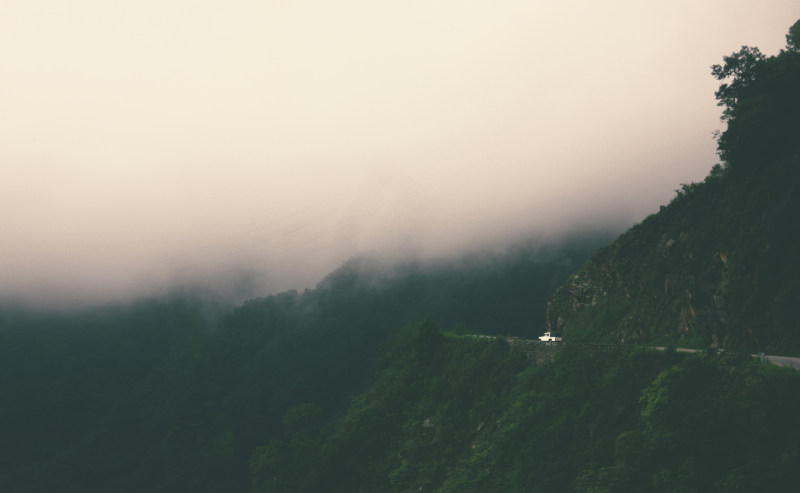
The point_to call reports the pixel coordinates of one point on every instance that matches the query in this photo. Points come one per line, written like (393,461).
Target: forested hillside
(718,266)
(460,414)
(715,267)
(376,381)
(174,394)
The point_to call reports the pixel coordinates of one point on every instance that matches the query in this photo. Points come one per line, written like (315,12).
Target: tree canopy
(761,102)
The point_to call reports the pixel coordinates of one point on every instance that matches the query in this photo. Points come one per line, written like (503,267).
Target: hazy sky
(146,140)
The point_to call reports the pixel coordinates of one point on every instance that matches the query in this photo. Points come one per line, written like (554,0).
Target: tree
(793,37)
(761,104)
(426,341)
(741,69)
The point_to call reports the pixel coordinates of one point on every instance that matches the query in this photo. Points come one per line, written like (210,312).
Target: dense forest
(399,376)
(458,414)
(715,269)
(175,393)
(717,266)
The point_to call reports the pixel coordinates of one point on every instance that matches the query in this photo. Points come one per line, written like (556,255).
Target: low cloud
(254,147)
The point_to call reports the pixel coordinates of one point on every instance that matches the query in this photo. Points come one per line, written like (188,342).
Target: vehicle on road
(547,337)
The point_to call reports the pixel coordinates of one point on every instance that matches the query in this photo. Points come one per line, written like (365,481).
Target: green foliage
(478,417)
(793,37)
(721,445)
(286,464)
(63,374)
(740,69)
(761,105)
(177,395)
(717,266)
(319,390)
(422,415)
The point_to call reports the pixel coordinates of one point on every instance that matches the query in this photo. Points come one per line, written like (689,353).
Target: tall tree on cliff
(761,103)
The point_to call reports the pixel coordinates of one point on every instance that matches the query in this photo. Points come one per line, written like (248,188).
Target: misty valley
(421,374)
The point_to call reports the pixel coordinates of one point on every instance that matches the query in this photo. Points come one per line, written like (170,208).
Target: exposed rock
(717,267)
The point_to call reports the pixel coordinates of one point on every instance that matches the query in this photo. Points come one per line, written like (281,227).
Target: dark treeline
(369,383)
(174,394)
(62,373)
(718,265)
(462,415)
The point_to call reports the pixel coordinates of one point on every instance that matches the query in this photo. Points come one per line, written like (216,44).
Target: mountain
(460,414)
(175,394)
(383,377)
(717,267)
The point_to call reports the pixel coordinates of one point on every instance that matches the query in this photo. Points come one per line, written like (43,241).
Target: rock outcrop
(716,267)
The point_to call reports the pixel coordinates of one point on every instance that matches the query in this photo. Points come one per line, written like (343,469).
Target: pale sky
(143,142)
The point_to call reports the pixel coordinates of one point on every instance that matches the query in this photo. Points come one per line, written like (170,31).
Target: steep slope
(175,395)
(464,414)
(718,266)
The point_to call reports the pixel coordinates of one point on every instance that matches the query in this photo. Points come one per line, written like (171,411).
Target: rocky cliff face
(719,265)
(716,267)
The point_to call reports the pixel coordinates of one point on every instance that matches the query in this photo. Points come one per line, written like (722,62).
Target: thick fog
(257,145)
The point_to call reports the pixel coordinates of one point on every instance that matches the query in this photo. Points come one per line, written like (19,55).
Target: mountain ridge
(717,266)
